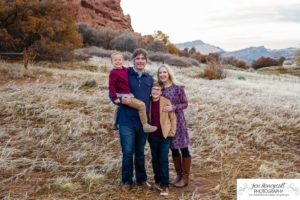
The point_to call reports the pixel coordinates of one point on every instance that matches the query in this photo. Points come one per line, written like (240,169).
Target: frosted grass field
(56,140)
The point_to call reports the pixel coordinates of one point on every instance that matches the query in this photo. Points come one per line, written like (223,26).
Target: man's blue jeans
(160,163)
(133,142)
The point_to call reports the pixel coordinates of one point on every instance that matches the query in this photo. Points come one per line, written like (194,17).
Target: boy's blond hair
(116,53)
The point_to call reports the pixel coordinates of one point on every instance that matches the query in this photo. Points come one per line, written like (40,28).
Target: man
(132,136)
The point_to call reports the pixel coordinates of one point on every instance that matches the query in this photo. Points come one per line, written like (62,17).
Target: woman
(179,145)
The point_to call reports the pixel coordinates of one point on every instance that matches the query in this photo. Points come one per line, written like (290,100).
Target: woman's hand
(126,99)
(168,108)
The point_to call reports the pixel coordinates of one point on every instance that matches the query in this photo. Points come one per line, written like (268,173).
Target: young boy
(160,139)
(119,87)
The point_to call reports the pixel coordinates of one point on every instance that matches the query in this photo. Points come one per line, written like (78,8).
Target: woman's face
(163,75)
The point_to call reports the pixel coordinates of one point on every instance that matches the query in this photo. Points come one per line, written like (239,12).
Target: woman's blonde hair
(172,77)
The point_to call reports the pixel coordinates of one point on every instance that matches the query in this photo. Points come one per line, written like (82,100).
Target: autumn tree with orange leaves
(45,27)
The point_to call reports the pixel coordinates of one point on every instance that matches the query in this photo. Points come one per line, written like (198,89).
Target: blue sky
(229,24)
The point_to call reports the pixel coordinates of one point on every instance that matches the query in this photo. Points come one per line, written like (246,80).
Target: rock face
(106,13)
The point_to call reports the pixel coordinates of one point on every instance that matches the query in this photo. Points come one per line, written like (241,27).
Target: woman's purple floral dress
(179,102)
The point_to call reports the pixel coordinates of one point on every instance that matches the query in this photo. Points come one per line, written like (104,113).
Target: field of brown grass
(56,140)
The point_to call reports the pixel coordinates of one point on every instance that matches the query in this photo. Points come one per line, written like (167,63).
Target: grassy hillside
(56,140)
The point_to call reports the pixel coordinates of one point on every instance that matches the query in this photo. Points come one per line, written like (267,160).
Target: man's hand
(168,108)
(126,99)
(117,101)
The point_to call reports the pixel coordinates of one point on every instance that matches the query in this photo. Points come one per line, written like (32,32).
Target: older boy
(160,139)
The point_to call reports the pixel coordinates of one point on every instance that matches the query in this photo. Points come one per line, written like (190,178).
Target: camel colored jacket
(167,119)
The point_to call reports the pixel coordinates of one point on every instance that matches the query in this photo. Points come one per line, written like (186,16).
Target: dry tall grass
(56,140)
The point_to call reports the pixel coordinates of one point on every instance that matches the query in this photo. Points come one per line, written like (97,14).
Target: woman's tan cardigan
(167,119)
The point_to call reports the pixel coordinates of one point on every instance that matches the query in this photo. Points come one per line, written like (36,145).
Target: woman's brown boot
(178,169)
(186,167)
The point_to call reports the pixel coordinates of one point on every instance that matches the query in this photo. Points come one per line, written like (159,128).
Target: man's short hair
(140,51)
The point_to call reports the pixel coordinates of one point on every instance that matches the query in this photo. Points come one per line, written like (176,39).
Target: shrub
(172,59)
(200,57)
(228,60)
(89,84)
(192,61)
(90,35)
(184,52)
(46,28)
(280,61)
(145,41)
(100,52)
(100,36)
(157,46)
(214,71)
(241,64)
(192,51)
(159,35)
(172,49)
(213,58)
(234,62)
(297,57)
(267,62)
(124,42)
(178,61)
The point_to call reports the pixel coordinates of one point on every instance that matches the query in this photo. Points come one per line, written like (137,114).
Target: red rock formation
(106,13)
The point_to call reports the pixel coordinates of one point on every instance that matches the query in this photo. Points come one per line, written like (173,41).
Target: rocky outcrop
(106,13)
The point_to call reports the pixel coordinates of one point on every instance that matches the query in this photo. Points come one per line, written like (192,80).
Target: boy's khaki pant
(141,107)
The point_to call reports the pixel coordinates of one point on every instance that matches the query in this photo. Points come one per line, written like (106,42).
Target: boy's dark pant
(160,163)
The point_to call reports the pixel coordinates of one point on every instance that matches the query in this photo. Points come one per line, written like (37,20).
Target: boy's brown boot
(178,169)
(148,128)
(186,166)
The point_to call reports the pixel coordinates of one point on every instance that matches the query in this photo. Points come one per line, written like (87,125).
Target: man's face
(140,62)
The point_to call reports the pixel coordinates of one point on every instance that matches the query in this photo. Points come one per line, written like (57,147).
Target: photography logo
(268,189)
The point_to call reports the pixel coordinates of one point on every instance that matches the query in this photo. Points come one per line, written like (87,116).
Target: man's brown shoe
(146,185)
(126,188)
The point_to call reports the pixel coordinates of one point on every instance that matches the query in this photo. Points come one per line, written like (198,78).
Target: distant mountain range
(200,46)
(247,54)
(253,53)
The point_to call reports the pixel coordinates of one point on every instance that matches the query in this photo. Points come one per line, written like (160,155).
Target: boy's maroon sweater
(155,118)
(118,81)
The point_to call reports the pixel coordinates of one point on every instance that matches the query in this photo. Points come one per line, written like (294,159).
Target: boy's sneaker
(165,191)
(148,128)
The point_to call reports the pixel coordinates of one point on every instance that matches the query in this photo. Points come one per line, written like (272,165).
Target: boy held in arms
(119,87)
(160,139)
